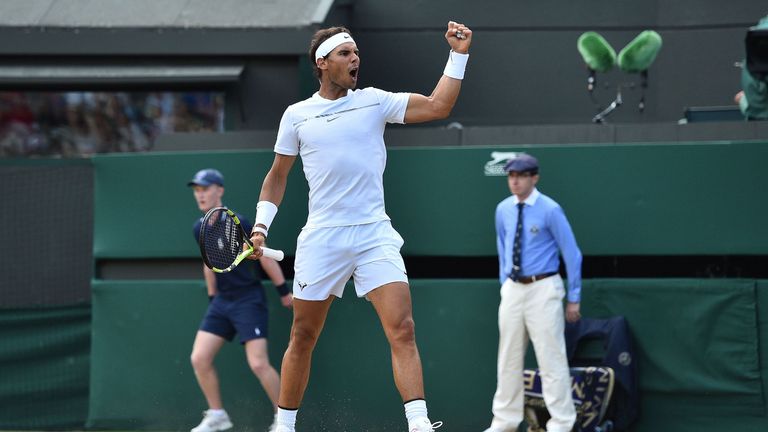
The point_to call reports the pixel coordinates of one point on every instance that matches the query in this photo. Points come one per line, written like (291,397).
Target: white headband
(331,43)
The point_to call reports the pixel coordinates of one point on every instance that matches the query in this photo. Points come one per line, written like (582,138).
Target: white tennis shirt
(341,144)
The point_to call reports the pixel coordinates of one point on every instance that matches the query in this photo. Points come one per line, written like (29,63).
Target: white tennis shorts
(326,258)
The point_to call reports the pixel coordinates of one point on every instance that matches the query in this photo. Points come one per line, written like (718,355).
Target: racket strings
(222,239)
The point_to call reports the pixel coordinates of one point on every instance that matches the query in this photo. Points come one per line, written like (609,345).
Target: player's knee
(404,331)
(303,338)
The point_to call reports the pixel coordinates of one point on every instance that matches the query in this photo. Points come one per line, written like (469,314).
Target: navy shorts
(244,313)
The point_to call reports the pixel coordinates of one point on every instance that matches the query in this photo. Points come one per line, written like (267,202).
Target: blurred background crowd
(82,123)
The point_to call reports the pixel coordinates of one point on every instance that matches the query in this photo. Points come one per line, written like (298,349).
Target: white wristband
(258,229)
(265,213)
(457,62)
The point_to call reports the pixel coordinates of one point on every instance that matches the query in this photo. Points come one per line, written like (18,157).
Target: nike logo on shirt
(335,113)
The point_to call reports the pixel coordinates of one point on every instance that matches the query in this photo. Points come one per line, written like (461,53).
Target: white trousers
(533,311)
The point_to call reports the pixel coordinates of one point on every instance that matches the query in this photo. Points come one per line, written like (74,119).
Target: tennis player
(237,306)
(339,134)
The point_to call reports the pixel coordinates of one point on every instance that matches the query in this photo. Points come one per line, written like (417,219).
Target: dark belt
(531,279)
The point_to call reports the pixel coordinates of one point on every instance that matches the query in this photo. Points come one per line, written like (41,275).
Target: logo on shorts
(625,358)
(302,285)
(257,331)
(495,166)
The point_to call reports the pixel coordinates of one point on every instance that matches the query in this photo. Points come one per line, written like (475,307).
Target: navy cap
(523,163)
(207,177)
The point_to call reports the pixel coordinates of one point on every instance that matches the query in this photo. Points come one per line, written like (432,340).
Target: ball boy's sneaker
(213,422)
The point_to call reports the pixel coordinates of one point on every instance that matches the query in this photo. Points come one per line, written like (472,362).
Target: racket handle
(275,254)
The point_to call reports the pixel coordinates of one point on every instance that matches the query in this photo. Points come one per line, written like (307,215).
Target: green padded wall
(142,339)
(143,333)
(145,209)
(620,199)
(697,346)
(696,341)
(633,199)
(701,343)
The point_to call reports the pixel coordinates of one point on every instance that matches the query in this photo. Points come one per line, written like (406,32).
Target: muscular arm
(273,188)
(439,104)
(436,106)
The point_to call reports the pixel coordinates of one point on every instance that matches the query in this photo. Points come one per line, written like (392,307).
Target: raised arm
(439,104)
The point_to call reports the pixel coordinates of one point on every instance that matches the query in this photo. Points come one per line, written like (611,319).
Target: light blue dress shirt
(546,234)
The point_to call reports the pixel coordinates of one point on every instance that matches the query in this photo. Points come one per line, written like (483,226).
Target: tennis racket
(222,238)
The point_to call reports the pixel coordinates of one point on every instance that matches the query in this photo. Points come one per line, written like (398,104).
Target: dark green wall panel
(145,208)
(142,339)
(696,340)
(634,199)
(694,336)
(682,199)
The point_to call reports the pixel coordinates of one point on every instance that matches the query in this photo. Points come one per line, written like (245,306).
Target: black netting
(46,229)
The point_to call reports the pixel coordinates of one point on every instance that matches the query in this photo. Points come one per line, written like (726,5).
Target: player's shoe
(213,422)
(422,424)
(274,427)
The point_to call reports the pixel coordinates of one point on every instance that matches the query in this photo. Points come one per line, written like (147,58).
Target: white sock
(217,412)
(287,417)
(415,409)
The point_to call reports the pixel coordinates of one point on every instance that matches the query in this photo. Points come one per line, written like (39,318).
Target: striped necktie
(517,248)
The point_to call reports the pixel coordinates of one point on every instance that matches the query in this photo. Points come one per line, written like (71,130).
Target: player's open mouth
(353,73)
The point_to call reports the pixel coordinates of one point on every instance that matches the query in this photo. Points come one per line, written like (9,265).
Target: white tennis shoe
(274,427)
(422,424)
(213,422)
